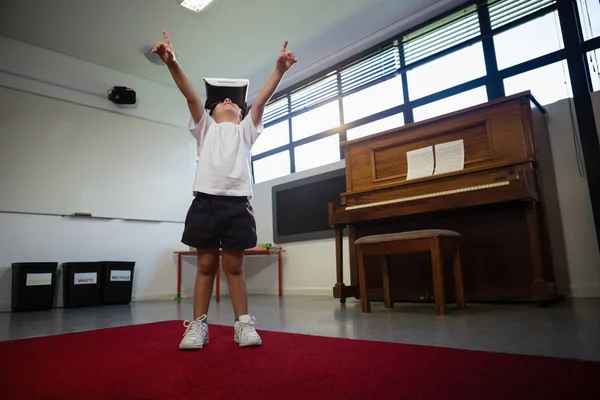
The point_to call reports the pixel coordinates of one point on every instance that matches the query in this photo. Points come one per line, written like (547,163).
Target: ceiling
(229,39)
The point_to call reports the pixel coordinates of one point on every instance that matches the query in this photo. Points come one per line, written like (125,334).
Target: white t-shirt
(224,158)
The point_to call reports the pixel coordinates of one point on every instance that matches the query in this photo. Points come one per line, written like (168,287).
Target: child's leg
(208,264)
(244,332)
(239,235)
(201,232)
(236,280)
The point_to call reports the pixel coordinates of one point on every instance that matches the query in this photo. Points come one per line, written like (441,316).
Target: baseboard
(152,296)
(5,306)
(309,291)
(298,291)
(585,292)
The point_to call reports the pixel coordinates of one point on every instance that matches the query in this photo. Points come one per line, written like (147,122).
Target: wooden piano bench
(432,241)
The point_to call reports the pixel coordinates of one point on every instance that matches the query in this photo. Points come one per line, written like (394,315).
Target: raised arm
(284,62)
(167,55)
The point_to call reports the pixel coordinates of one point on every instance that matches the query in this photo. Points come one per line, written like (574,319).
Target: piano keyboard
(428,195)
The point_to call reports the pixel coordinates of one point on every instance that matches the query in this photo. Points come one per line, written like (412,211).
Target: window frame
(493,80)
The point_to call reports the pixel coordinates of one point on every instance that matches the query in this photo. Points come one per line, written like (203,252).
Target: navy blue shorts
(220,221)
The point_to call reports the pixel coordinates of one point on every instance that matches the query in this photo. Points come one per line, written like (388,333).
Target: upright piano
(499,202)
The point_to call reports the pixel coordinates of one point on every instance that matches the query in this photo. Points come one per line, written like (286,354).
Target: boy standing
(220,215)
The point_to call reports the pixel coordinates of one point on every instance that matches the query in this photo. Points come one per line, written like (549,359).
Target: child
(220,214)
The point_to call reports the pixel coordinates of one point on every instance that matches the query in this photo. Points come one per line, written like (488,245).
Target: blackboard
(301,207)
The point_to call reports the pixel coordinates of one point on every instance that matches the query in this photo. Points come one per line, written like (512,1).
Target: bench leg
(438,276)
(387,285)
(362,281)
(458,280)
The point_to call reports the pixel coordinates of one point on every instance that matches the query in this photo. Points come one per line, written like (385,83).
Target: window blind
(275,110)
(503,12)
(376,66)
(314,93)
(450,31)
(424,42)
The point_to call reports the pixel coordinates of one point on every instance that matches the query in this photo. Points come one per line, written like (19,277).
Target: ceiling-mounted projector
(122,95)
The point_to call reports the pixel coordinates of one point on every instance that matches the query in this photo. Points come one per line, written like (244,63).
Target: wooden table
(250,252)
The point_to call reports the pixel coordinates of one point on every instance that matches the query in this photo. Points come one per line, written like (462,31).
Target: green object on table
(266,245)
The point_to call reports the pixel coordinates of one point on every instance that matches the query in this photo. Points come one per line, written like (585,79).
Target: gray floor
(570,329)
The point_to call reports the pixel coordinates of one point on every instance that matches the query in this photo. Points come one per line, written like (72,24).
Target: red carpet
(143,362)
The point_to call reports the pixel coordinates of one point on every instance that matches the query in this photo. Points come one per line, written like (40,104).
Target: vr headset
(219,89)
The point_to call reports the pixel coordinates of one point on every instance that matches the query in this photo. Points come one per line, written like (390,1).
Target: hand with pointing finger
(286,59)
(164,49)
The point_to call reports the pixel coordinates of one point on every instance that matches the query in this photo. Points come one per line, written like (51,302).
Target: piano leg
(354,284)
(543,291)
(437,265)
(458,277)
(387,286)
(338,289)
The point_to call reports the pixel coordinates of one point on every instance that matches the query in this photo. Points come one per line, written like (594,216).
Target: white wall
(309,267)
(583,257)
(49,238)
(38,70)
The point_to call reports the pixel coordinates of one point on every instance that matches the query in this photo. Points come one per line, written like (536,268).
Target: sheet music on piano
(449,157)
(420,163)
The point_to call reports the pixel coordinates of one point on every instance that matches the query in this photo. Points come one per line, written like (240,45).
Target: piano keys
(498,202)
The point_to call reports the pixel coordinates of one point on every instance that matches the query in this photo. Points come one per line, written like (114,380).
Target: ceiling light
(195,5)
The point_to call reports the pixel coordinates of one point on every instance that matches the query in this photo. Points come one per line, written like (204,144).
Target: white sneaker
(196,334)
(244,333)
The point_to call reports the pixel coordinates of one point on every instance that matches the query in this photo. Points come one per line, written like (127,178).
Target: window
(503,12)
(528,41)
(314,93)
(315,154)
(441,35)
(547,84)
(448,71)
(374,67)
(276,109)
(272,137)
(436,69)
(592,58)
(589,18)
(272,167)
(380,125)
(315,121)
(450,104)
(373,99)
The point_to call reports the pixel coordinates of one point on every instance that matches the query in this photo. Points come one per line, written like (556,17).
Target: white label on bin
(120,276)
(44,279)
(86,278)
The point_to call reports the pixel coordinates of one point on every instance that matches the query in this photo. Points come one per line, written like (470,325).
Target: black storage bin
(81,283)
(117,282)
(33,286)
